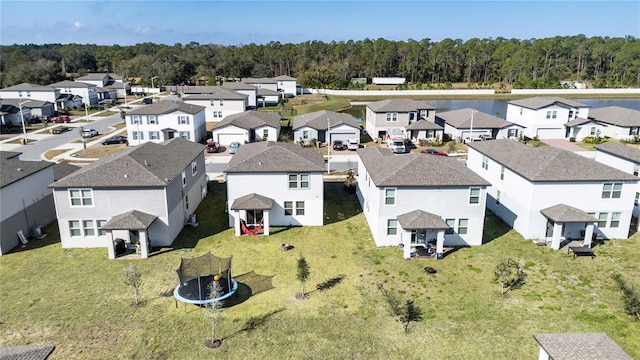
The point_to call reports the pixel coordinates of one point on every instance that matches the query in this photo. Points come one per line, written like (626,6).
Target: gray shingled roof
(577,122)
(252,201)
(540,102)
(26,352)
(424,125)
(259,80)
(318,120)
(9,154)
(31,104)
(14,169)
(63,169)
(389,169)
(146,165)
(419,219)
(71,84)
(250,120)
(585,346)
(461,119)
(567,214)
(270,156)
(166,107)
(201,90)
(284,77)
(131,220)
(218,94)
(399,105)
(267,92)
(621,150)
(616,115)
(547,163)
(28,87)
(236,85)
(92,76)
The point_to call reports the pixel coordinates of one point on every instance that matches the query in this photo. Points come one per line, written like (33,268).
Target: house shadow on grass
(52,237)
(494,227)
(339,204)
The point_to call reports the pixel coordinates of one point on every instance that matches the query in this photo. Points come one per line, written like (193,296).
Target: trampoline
(196,274)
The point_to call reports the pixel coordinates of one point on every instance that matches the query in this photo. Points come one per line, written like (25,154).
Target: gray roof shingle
(250,119)
(419,219)
(63,169)
(388,169)
(620,150)
(424,125)
(548,163)
(581,346)
(131,220)
(540,102)
(71,84)
(146,165)
(218,94)
(31,104)
(577,122)
(270,156)
(26,352)
(461,119)
(616,115)
(567,214)
(28,87)
(259,80)
(399,105)
(236,85)
(14,169)
(252,201)
(318,120)
(167,107)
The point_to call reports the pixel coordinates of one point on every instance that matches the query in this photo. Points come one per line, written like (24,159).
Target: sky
(244,22)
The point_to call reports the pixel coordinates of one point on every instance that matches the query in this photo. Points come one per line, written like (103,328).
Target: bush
(630,297)
(572,139)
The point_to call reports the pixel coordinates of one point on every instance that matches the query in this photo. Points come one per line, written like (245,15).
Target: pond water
(498,107)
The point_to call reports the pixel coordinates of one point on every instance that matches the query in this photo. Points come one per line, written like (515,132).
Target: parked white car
(397,147)
(353,144)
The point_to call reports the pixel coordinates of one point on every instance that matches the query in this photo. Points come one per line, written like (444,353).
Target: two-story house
(219,104)
(465,124)
(26,91)
(415,200)
(321,125)
(246,89)
(545,117)
(617,122)
(624,158)
(143,195)
(31,108)
(548,193)
(247,127)
(27,201)
(105,85)
(395,113)
(286,85)
(88,92)
(274,184)
(164,120)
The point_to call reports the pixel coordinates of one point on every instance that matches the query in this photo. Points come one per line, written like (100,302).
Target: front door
(170,134)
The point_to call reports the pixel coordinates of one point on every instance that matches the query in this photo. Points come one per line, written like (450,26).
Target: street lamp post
(329,146)
(24,129)
(86,111)
(152,78)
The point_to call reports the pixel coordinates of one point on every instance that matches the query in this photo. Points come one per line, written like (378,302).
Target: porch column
(143,242)
(555,239)
(406,243)
(265,222)
(112,246)
(440,245)
(588,235)
(236,222)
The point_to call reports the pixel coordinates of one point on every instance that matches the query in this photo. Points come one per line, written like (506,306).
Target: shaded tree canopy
(512,63)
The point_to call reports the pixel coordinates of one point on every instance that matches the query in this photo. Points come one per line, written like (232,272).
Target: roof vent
(146,163)
(260,163)
(20,169)
(126,176)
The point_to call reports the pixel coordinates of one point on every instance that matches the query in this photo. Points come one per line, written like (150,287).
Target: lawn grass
(76,299)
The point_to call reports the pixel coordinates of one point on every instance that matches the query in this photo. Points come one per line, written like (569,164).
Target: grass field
(76,299)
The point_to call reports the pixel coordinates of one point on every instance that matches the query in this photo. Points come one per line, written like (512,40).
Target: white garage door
(343,136)
(226,139)
(550,134)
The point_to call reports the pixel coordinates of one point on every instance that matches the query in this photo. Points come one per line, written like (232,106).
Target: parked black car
(118,139)
(339,145)
(147,101)
(60,129)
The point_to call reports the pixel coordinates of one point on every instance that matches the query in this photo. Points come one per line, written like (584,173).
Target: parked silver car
(233,147)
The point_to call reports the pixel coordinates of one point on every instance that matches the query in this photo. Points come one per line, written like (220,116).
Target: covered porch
(251,214)
(129,231)
(565,222)
(422,234)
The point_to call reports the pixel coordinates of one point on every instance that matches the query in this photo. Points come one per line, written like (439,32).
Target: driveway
(563,144)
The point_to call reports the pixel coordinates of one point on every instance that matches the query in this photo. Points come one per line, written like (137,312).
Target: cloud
(77,25)
(148,30)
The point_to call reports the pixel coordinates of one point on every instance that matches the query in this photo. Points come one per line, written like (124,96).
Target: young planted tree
(510,275)
(133,279)
(303,274)
(630,297)
(214,312)
(405,314)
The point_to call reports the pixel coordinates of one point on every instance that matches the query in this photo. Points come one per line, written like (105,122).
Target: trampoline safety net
(207,264)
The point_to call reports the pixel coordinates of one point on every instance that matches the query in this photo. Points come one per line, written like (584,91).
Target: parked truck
(395,140)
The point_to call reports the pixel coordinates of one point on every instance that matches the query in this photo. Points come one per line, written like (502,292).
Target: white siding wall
(22,194)
(229,107)
(275,186)
(229,134)
(622,165)
(536,122)
(196,127)
(288,86)
(49,96)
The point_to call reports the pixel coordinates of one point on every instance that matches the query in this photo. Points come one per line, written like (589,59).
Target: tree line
(604,62)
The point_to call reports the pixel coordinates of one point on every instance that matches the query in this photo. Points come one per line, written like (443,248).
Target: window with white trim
(186,201)
(194,167)
(634,131)
(498,193)
(74,228)
(463,226)
(137,135)
(299,181)
(265,134)
(288,207)
(424,113)
(615,220)
(594,131)
(392,116)
(390,196)
(184,179)
(154,135)
(392,226)
(451,223)
(602,220)
(81,197)
(305,134)
(474,196)
(100,224)
(87,227)
(485,162)
(611,190)
(221,102)
(502,172)
(136,119)
(183,119)
(184,134)
(637,201)
(512,133)
(299,207)
(152,119)
(636,169)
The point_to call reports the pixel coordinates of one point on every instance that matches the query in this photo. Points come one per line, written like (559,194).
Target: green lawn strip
(77,299)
